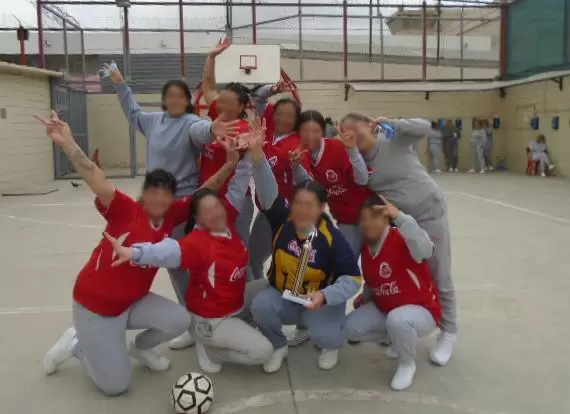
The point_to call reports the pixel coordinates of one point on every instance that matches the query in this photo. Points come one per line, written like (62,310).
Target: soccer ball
(193,393)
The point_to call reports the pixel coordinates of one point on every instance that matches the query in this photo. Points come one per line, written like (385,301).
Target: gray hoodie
(479,137)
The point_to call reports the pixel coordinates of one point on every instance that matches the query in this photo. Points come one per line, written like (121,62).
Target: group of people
(361,195)
(446,139)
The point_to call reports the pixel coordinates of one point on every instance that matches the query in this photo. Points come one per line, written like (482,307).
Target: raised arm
(359,168)
(239,183)
(209,77)
(261,99)
(166,253)
(204,132)
(60,133)
(409,130)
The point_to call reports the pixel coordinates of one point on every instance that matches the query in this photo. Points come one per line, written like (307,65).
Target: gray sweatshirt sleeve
(201,132)
(341,290)
(265,184)
(261,99)
(359,167)
(300,174)
(412,129)
(143,121)
(239,183)
(166,253)
(417,240)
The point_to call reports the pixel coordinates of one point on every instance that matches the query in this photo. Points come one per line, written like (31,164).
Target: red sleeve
(179,210)
(191,254)
(269,122)
(121,208)
(213,110)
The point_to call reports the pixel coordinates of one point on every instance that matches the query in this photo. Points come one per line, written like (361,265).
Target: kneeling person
(399,298)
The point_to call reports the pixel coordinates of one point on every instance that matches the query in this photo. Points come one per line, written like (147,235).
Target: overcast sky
(198,17)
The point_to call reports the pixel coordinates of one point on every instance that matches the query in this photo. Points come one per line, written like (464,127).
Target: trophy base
(288,295)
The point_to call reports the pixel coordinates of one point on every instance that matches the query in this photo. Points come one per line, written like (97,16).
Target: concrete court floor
(510,240)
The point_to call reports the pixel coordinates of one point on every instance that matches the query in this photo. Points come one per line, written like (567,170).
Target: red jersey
(213,156)
(334,171)
(397,279)
(110,291)
(218,265)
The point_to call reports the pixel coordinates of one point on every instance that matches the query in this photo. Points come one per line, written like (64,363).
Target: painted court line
(514,207)
(34,310)
(53,223)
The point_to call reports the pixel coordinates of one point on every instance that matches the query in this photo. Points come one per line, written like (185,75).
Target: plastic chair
(532,167)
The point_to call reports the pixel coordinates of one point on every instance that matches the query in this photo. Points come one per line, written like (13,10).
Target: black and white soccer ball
(193,393)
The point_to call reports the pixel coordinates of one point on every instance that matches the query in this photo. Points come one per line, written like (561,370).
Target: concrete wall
(26,153)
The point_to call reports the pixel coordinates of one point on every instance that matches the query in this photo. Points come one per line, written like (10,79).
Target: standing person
(488,153)
(173,141)
(399,298)
(230,104)
(398,175)
(330,130)
(434,147)
(217,259)
(107,300)
(478,143)
(332,273)
(450,138)
(539,152)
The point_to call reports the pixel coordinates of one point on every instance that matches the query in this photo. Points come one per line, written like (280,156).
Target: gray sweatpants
(435,156)
(543,159)
(261,247)
(434,221)
(270,312)
(478,156)
(353,235)
(489,153)
(404,325)
(101,345)
(233,339)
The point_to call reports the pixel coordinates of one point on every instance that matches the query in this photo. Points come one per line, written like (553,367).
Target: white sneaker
(491,168)
(298,337)
(274,363)
(183,341)
(391,353)
(456,170)
(149,358)
(328,359)
(436,171)
(206,364)
(450,170)
(542,174)
(482,172)
(551,167)
(60,352)
(404,376)
(441,352)
(471,171)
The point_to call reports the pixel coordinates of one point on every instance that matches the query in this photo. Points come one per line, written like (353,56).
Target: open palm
(57,130)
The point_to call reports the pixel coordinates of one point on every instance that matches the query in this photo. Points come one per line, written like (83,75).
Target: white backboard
(267,59)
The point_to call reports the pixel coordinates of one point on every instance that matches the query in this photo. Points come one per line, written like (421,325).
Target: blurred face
(311,134)
(211,214)
(176,101)
(306,210)
(156,201)
(356,127)
(373,224)
(229,105)
(449,124)
(285,118)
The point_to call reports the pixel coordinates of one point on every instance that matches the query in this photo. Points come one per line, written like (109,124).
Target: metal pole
(461,50)
(382,48)
(253,22)
(182,45)
(345,38)
(65,47)
(83,60)
(424,42)
(229,19)
(301,57)
(370,30)
(41,49)
(127,72)
(438,51)
(504,39)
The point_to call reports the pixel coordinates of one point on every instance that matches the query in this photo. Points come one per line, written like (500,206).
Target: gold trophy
(295,294)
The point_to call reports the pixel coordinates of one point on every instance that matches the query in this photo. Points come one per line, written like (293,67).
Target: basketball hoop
(248,63)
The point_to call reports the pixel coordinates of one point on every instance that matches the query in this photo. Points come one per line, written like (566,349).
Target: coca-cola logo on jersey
(332,177)
(297,250)
(387,289)
(336,190)
(272,161)
(209,153)
(238,273)
(385,270)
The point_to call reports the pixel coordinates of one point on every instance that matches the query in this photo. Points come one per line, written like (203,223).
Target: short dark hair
(160,178)
(195,205)
(312,187)
(372,201)
(242,94)
(177,83)
(294,103)
(314,116)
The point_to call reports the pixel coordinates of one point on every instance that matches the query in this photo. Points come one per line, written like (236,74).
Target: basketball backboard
(249,64)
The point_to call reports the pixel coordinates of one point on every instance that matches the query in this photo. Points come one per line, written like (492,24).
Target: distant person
(539,152)
(330,130)
(434,148)
(478,141)
(488,151)
(450,140)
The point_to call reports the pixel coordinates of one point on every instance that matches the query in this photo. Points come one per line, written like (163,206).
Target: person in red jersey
(108,300)
(230,104)
(400,298)
(217,260)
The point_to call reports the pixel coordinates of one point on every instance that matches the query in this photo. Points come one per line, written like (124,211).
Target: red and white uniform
(213,156)
(110,291)
(396,279)
(334,171)
(218,264)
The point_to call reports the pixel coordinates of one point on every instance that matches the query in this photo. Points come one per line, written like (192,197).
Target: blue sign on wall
(459,124)
(555,122)
(535,123)
(496,122)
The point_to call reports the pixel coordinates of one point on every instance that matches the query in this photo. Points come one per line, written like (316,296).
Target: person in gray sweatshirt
(398,175)
(450,137)
(174,138)
(478,143)
(434,147)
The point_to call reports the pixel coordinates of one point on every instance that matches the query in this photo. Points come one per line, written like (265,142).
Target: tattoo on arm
(81,161)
